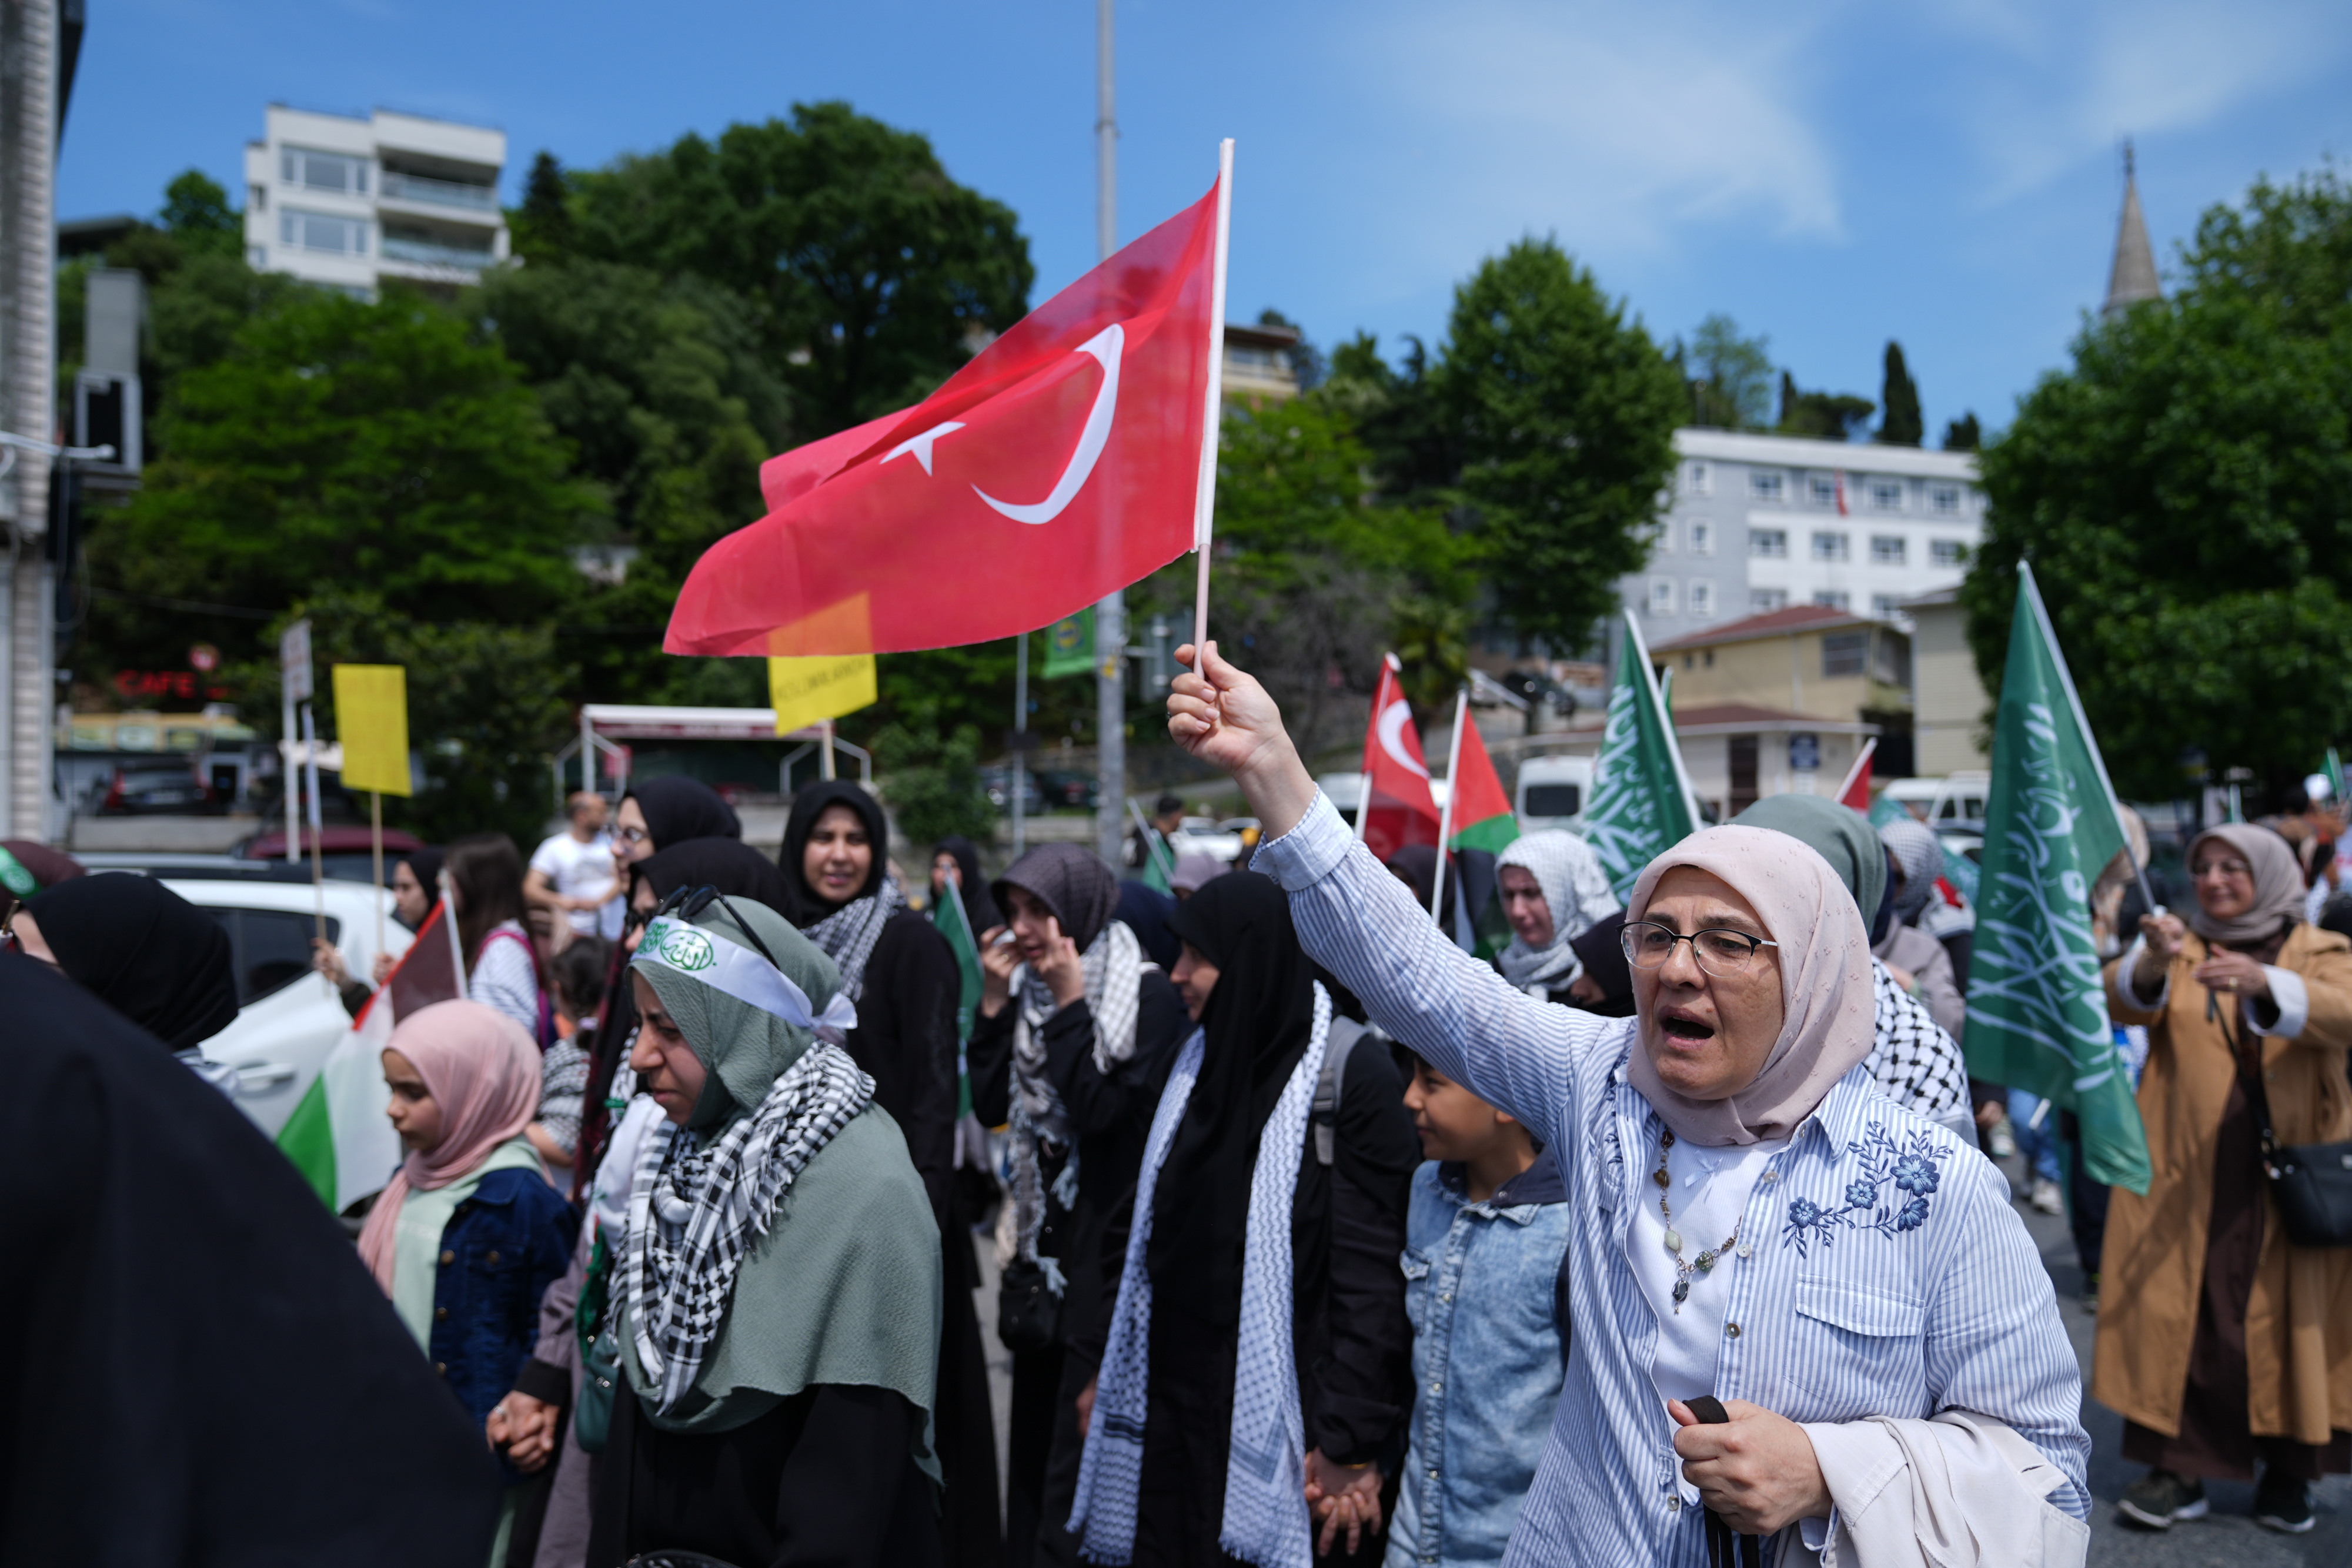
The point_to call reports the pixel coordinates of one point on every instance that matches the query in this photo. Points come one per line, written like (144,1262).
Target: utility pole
(1110,612)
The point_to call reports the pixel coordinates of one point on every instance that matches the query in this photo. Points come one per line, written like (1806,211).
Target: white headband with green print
(726,966)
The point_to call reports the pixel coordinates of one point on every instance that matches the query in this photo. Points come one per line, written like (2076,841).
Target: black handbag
(2311,1182)
(1028,1312)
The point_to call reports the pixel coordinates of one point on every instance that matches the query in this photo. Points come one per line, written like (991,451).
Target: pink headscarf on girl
(483,1069)
(1830,1020)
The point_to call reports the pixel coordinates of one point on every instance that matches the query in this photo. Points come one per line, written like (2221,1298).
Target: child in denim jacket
(1483,1244)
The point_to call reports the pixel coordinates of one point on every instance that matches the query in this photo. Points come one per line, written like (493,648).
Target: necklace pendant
(1682,1293)
(1704,1261)
(1674,1242)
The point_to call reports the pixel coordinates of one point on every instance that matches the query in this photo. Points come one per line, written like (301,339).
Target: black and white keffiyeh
(1113,967)
(1915,1062)
(695,1204)
(1576,894)
(848,934)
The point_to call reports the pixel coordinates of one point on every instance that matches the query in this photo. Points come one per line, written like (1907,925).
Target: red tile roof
(1771,622)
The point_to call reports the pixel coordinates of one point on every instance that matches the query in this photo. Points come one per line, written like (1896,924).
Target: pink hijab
(1831,1021)
(483,1069)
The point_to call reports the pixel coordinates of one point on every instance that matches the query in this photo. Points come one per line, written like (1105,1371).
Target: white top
(1710,1192)
(504,976)
(583,871)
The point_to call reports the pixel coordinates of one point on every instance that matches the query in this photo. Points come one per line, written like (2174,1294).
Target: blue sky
(1833,173)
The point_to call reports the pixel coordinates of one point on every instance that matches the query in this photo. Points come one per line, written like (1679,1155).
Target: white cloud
(1616,125)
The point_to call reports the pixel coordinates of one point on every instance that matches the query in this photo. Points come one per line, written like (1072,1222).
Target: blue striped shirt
(1884,1272)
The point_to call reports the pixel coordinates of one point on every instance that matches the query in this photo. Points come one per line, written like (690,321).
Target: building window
(1824,490)
(1767,485)
(1661,596)
(1772,542)
(1763,598)
(256,256)
(1882,605)
(316,231)
(1832,599)
(323,171)
(1887,550)
(1944,499)
(1830,546)
(1702,598)
(1845,653)
(1948,552)
(1885,495)
(1702,537)
(1697,480)
(1661,537)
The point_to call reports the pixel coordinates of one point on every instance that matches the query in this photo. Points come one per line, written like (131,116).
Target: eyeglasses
(633,835)
(1724,953)
(688,902)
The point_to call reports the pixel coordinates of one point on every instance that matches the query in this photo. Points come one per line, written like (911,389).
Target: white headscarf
(1576,891)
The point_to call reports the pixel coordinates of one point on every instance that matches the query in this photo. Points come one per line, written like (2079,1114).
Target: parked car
(1959,798)
(1346,791)
(346,854)
(289,1017)
(1205,836)
(998,782)
(1552,792)
(1066,786)
(166,784)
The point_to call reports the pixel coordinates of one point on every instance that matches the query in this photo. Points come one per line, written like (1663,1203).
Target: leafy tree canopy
(1963,434)
(1899,396)
(1824,417)
(871,275)
(1565,413)
(1729,376)
(2181,490)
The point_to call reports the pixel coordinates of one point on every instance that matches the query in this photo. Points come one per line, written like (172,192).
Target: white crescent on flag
(1393,718)
(1105,346)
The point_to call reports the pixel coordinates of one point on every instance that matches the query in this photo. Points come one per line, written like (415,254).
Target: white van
(1552,792)
(1956,798)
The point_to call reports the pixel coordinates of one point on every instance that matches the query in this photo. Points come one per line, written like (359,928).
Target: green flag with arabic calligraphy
(2037,1014)
(1641,804)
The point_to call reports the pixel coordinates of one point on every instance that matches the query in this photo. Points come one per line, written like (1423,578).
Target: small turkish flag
(1855,790)
(1403,811)
(1061,465)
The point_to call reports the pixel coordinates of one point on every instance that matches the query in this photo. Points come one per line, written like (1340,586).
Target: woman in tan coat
(2220,1341)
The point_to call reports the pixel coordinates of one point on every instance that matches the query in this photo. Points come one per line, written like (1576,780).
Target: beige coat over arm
(2299,1318)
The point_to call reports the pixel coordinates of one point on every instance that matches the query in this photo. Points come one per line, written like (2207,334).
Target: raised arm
(1362,924)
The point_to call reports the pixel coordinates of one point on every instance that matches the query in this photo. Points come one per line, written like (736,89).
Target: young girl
(503,967)
(469,1233)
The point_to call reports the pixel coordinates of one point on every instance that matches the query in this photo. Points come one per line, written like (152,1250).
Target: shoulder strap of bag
(1338,1044)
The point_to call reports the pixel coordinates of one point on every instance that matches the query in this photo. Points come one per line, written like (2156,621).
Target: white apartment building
(347,202)
(1761,522)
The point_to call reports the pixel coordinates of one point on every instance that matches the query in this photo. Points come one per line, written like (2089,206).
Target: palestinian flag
(338,1136)
(1482,827)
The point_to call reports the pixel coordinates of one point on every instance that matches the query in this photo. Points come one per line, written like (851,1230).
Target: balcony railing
(400,187)
(396,248)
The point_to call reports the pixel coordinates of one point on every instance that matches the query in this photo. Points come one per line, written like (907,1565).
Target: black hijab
(1144,910)
(978,906)
(1416,866)
(1070,881)
(1258,1022)
(806,908)
(731,866)
(121,1170)
(144,951)
(677,809)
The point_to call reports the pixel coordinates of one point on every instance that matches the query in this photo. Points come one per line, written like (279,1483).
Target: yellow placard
(372,718)
(825,687)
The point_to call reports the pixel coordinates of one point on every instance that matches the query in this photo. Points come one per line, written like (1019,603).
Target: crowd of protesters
(1664,1236)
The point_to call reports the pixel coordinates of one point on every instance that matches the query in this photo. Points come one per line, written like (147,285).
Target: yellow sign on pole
(805,691)
(371,716)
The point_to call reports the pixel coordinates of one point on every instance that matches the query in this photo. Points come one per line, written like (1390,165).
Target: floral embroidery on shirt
(1909,1168)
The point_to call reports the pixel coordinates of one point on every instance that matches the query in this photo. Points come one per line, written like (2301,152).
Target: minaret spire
(2133,277)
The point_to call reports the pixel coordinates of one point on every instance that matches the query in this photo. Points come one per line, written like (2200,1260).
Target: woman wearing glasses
(1800,1309)
(2221,1342)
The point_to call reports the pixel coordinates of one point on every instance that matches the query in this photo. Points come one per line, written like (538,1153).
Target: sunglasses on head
(686,902)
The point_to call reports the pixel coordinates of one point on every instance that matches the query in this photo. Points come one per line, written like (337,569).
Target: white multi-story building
(348,202)
(1761,522)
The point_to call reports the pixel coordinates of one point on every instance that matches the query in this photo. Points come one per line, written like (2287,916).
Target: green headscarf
(844,1289)
(1839,834)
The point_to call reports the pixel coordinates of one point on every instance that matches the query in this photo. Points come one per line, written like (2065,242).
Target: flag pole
(827,752)
(1861,760)
(311,783)
(1445,812)
(1206,493)
(449,923)
(1364,791)
(376,846)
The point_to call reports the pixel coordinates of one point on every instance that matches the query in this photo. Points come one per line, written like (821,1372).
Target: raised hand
(1061,968)
(1223,717)
(998,959)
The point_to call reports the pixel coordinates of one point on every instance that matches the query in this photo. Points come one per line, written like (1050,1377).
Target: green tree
(1963,434)
(542,227)
(197,213)
(1824,416)
(339,444)
(485,708)
(933,783)
(2180,490)
(872,275)
(1565,411)
(1730,377)
(1899,396)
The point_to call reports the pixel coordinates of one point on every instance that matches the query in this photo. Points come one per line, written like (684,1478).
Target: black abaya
(191,1325)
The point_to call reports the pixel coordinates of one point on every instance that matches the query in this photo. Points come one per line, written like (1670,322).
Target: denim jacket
(502,1248)
(1489,1308)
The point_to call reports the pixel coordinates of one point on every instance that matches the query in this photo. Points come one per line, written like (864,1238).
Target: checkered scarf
(1113,967)
(849,932)
(697,1202)
(1913,1060)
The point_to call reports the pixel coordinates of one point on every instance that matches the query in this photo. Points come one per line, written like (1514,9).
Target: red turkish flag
(1061,465)
(1855,790)
(1402,811)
